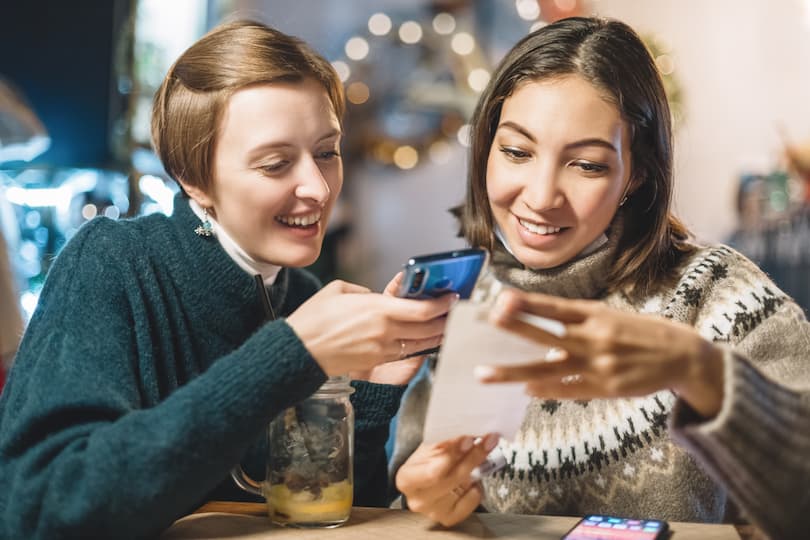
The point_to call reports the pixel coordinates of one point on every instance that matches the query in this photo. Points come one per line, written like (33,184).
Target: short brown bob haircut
(189,104)
(612,57)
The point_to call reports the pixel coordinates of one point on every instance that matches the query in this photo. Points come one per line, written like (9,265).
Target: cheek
(594,204)
(500,192)
(335,182)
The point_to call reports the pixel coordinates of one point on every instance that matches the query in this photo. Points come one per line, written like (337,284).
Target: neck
(235,251)
(585,276)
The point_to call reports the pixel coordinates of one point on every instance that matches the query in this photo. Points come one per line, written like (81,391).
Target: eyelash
(516,155)
(590,168)
(276,167)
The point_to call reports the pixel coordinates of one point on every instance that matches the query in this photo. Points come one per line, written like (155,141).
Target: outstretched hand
(609,353)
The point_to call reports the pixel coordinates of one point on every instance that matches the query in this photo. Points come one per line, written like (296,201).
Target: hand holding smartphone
(430,276)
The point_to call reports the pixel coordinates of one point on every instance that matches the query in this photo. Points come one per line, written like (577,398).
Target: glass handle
(245,482)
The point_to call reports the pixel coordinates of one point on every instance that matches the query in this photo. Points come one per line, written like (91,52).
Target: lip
(538,241)
(542,223)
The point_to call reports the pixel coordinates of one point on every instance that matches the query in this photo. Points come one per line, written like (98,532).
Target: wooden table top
(249,521)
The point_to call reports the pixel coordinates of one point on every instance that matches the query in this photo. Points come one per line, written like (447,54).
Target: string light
(439,152)
(463,135)
(436,146)
(528,9)
(342,69)
(462,43)
(357,48)
(410,32)
(379,24)
(478,79)
(89,211)
(444,24)
(665,63)
(357,93)
(537,26)
(406,157)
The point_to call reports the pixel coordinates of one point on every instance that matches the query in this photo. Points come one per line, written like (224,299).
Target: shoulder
(99,241)
(722,293)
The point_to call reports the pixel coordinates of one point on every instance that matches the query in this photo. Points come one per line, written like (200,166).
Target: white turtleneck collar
(239,255)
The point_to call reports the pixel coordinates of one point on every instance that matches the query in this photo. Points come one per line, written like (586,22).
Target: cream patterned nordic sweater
(649,456)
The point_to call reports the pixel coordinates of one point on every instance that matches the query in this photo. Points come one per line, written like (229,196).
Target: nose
(311,183)
(542,190)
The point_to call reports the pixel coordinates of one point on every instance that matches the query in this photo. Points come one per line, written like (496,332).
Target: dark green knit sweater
(145,374)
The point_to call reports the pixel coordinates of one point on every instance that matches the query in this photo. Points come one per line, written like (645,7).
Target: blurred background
(77,79)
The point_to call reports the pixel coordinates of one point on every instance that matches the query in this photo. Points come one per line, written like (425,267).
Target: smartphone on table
(430,276)
(604,527)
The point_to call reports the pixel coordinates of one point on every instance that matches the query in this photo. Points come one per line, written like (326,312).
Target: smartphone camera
(418,280)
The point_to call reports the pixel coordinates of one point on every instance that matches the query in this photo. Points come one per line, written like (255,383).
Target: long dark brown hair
(612,57)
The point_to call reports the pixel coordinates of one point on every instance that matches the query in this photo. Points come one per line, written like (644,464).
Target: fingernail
(466,444)
(484,373)
(456,298)
(491,441)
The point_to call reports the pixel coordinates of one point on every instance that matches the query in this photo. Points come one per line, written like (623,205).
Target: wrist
(702,387)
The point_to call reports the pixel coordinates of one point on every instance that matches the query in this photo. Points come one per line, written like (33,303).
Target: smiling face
(557,168)
(277,171)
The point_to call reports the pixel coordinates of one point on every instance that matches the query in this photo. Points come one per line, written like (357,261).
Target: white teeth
(538,229)
(300,221)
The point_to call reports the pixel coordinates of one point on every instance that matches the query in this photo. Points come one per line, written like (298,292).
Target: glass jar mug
(309,480)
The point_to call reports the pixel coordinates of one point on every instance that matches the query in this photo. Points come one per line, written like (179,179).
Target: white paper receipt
(459,404)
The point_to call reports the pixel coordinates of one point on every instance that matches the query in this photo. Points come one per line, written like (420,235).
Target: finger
(531,332)
(530,372)
(460,473)
(419,330)
(407,309)
(393,286)
(512,301)
(463,507)
(412,346)
(432,461)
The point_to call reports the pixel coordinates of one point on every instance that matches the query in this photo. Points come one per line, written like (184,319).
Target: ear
(632,185)
(198,194)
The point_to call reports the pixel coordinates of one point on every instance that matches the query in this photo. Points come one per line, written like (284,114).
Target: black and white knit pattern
(574,456)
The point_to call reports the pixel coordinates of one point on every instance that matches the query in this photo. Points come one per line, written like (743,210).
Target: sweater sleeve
(758,444)
(374,405)
(80,454)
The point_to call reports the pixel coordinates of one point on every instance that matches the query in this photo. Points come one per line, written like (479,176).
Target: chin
(544,261)
(299,260)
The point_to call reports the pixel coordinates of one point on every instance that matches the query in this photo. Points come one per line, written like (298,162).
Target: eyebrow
(592,141)
(268,145)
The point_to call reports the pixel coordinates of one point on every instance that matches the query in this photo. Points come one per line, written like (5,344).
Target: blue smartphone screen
(429,276)
(600,527)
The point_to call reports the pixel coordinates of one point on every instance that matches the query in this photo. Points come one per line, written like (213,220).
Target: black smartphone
(604,527)
(430,276)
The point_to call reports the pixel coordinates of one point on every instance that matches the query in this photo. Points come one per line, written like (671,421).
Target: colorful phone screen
(598,527)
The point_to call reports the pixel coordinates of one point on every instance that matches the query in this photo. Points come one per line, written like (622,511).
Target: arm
(374,407)
(82,454)
(757,446)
